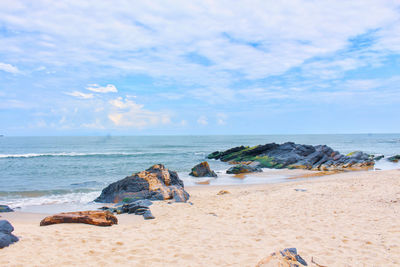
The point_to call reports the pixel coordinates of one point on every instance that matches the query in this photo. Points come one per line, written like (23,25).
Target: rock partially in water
(241,168)
(98,218)
(6,236)
(155,183)
(394,158)
(378,157)
(202,170)
(296,156)
(5,208)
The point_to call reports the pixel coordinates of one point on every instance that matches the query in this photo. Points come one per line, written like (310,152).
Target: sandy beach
(347,219)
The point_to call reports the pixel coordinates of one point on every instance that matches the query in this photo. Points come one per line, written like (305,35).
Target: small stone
(147,215)
(223,192)
(300,190)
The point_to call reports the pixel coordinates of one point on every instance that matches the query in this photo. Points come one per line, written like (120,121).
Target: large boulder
(202,170)
(291,155)
(5,208)
(98,218)
(6,236)
(155,183)
(241,168)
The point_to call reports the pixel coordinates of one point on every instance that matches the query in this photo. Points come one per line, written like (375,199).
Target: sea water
(60,170)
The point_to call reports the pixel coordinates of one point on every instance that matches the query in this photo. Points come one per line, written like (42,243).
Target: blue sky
(199,67)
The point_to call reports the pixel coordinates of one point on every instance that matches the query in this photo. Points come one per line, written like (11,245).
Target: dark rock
(147,215)
(155,183)
(378,157)
(202,170)
(99,218)
(300,190)
(5,208)
(6,236)
(291,155)
(395,158)
(242,169)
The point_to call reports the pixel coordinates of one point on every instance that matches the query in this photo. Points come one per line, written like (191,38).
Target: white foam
(71,198)
(67,154)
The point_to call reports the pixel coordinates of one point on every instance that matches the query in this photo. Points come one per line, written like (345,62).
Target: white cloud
(94,125)
(202,120)
(8,68)
(80,95)
(254,40)
(127,113)
(110,88)
(221,118)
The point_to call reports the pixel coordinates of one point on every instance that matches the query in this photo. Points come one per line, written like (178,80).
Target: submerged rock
(241,168)
(5,208)
(394,159)
(291,155)
(155,183)
(378,157)
(98,218)
(202,170)
(6,236)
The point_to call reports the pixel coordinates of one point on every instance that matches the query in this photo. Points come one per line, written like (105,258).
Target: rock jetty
(6,236)
(98,218)
(202,170)
(296,156)
(155,183)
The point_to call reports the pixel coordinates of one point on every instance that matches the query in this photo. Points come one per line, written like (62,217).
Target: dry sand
(348,219)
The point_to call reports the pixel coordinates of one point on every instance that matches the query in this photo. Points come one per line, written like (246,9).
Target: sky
(199,67)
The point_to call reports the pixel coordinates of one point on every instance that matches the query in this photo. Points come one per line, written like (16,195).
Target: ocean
(38,171)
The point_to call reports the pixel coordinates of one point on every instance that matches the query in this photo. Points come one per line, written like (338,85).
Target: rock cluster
(5,208)
(242,168)
(155,183)
(138,207)
(291,155)
(6,236)
(99,218)
(202,170)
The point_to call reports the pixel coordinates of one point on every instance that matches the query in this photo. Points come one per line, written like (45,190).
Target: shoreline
(345,219)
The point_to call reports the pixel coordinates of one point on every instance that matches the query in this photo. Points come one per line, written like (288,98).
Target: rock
(223,192)
(147,215)
(285,258)
(5,208)
(242,169)
(296,156)
(378,157)
(6,236)
(300,190)
(99,218)
(155,183)
(202,170)
(394,159)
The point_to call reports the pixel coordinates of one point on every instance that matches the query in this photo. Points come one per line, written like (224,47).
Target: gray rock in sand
(147,215)
(6,236)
